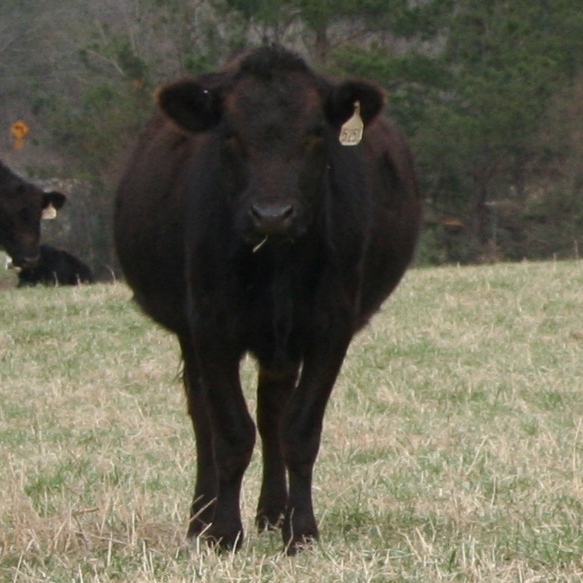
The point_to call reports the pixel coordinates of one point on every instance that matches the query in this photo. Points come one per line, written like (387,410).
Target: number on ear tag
(352,130)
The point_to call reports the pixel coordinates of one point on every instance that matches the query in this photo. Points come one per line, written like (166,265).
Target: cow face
(22,206)
(277,123)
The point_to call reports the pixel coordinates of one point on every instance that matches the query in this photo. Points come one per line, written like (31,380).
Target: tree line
(490,94)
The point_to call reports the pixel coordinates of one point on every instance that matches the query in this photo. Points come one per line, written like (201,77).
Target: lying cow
(22,205)
(54,267)
(243,224)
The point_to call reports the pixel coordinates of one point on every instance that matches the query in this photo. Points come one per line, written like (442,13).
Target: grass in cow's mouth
(452,447)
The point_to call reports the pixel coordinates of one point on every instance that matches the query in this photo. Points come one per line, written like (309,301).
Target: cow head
(22,206)
(277,122)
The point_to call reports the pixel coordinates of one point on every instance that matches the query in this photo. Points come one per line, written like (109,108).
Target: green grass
(453,444)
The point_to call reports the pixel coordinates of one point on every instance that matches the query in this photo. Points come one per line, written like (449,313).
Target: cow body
(55,267)
(244,226)
(22,206)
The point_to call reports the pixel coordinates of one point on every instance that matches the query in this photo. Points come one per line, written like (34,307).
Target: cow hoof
(196,528)
(298,534)
(269,521)
(223,539)
(300,544)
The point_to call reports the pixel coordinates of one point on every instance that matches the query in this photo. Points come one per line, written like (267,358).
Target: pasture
(452,448)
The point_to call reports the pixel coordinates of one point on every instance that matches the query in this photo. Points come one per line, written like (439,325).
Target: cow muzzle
(18,262)
(273,218)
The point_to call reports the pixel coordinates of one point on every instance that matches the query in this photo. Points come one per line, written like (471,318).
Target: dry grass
(452,447)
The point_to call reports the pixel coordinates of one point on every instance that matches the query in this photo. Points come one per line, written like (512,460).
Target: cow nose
(272,218)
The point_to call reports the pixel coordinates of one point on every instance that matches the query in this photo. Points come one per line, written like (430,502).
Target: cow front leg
(273,391)
(301,433)
(234,438)
(205,493)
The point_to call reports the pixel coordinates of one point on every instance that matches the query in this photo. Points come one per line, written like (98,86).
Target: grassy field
(453,445)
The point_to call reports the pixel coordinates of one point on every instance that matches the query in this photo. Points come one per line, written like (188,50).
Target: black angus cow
(55,267)
(22,205)
(244,225)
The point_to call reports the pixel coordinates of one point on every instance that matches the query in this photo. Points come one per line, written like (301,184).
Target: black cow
(22,205)
(55,267)
(244,225)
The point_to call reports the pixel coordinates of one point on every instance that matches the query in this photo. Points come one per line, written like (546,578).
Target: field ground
(453,445)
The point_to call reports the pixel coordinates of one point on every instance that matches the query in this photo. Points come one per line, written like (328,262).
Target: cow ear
(342,99)
(52,201)
(191,105)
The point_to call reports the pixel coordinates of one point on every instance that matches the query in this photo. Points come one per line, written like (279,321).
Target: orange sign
(19,130)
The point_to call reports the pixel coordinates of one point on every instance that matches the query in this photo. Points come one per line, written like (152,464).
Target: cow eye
(6,222)
(316,131)
(232,146)
(230,140)
(24,215)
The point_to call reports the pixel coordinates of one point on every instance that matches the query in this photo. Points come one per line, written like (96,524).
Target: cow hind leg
(272,394)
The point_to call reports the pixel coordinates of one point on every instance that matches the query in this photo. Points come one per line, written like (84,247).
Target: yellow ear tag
(49,212)
(352,130)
